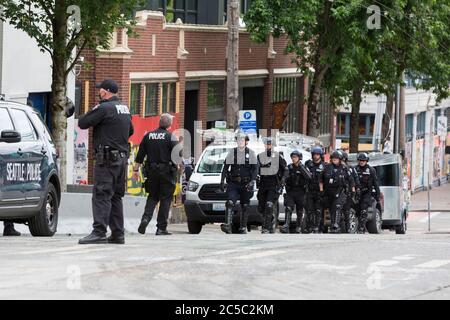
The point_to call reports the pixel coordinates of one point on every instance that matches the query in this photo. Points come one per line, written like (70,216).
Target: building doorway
(191,113)
(253,99)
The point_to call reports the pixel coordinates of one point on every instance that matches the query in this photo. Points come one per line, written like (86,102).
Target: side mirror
(10,136)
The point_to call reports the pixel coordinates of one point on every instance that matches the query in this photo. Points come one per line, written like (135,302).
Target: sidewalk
(440,199)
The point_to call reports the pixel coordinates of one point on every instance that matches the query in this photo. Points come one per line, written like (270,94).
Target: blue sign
(247,121)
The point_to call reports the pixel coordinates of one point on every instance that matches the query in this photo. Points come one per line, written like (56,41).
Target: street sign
(221,125)
(247,121)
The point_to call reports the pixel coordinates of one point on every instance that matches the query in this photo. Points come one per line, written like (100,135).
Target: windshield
(212,161)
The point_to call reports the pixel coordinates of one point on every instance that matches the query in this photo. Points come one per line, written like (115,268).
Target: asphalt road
(213,265)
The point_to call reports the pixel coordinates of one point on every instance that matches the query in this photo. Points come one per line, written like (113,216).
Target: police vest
(295,179)
(241,170)
(335,177)
(316,170)
(365,176)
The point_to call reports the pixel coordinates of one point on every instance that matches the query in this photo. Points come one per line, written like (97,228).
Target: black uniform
(298,178)
(352,196)
(161,173)
(336,180)
(314,201)
(239,171)
(272,167)
(369,183)
(112,125)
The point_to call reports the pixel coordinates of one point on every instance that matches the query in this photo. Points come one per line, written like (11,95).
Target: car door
(32,152)
(10,165)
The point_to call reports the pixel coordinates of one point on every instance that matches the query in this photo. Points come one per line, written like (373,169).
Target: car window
(23,125)
(40,124)
(388,175)
(212,161)
(5,120)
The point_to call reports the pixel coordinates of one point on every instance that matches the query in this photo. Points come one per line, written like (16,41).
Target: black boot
(9,230)
(287,224)
(244,219)
(335,226)
(226,227)
(298,224)
(93,238)
(268,220)
(161,232)
(143,226)
(116,239)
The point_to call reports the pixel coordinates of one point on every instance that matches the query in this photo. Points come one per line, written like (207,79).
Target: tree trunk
(387,119)
(233,64)
(59,87)
(313,102)
(354,118)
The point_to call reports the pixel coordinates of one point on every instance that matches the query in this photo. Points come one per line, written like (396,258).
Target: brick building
(181,69)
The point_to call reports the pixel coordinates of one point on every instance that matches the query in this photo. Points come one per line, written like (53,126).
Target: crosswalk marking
(405,257)
(55,250)
(260,255)
(84,251)
(384,263)
(433,264)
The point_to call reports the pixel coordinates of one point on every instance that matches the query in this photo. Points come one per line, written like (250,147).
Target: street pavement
(213,265)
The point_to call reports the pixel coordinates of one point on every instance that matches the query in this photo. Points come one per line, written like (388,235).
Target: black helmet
(317,150)
(344,155)
(297,153)
(336,155)
(363,157)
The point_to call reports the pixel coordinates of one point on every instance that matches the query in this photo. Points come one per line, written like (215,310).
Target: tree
(47,22)
(317,32)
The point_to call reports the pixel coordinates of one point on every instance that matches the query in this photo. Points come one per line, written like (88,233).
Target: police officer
(314,196)
(336,180)
(271,180)
(353,191)
(161,169)
(9,231)
(239,171)
(369,182)
(298,178)
(112,125)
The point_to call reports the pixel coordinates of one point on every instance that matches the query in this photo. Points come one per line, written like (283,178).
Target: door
(253,99)
(32,152)
(10,166)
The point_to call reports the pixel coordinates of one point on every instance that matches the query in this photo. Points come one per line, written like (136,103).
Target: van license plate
(218,206)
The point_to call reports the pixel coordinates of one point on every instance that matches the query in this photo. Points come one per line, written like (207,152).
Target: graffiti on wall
(81,144)
(141,127)
(408,157)
(418,165)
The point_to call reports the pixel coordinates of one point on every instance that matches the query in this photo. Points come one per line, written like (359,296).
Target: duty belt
(240,179)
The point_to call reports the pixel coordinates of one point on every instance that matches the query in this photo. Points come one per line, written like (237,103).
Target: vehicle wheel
(44,224)
(374,225)
(353,222)
(195,227)
(401,228)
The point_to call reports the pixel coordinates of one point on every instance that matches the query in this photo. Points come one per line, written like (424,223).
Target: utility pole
(402,118)
(397,120)
(233,64)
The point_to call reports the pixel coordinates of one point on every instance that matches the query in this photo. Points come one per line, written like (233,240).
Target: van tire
(45,223)
(401,228)
(375,225)
(194,227)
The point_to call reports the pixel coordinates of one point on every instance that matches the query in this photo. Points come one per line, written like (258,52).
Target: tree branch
(77,56)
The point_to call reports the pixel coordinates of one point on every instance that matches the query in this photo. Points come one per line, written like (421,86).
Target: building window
(169,97)
(421,125)
(186,10)
(135,98)
(409,127)
(215,95)
(151,99)
(437,114)
(245,6)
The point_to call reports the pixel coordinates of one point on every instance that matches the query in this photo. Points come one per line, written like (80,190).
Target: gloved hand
(223,187)
(250,186)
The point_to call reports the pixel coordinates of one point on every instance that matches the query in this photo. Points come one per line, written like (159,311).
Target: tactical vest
(335,178)
(316,170)
(366,178)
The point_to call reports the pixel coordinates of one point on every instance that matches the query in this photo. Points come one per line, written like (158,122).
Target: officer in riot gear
(239,173)
(369,187)
(336,180)
(353,192)
(298,178)
(160,170)
(111,121)
(271,180)
(314,196)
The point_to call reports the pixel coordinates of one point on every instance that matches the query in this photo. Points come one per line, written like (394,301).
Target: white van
(205,203)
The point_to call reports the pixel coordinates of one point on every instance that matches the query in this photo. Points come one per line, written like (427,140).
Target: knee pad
(229,204)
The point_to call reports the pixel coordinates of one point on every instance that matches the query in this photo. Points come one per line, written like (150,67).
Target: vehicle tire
(401,228)
(375,225)
(194,227)
(45,223)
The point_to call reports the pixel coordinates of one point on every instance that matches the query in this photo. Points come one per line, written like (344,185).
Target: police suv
(30,190)
(205,203)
